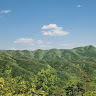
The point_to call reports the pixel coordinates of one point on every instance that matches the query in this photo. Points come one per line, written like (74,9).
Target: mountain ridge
(77,64)
(54,54)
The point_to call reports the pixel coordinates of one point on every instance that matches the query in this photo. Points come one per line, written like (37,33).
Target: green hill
(23,67)
(54,54)
(69,67)
(66,62)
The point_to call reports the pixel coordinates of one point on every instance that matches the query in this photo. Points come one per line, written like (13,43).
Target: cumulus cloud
(28,41)
(6,11)
(32,44)
(53,30)
(50,26)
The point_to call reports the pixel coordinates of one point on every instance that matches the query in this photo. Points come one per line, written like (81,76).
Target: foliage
(54,72)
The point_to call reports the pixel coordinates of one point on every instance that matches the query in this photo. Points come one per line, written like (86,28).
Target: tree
(47,80)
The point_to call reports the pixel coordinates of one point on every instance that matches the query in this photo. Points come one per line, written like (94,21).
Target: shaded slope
(25,67)
(73,69)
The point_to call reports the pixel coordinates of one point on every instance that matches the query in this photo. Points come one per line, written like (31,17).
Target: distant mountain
(54,54)
(67,63)
(87,51)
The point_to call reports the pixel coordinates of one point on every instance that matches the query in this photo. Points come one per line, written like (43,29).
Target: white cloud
(50,26)
(32,44)
(6,11)
(79,6)
(53,30)
(28,41)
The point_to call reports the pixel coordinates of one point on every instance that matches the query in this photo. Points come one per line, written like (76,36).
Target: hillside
(66,62)
(77,65)
(54,54)
(20,67)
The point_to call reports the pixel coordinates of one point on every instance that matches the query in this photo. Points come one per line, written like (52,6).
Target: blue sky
(46,24)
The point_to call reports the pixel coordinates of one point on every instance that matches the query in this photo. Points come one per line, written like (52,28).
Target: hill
(67,63)
(54,54)
(69,67)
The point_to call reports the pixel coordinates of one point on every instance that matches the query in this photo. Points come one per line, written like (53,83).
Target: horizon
(45,49)
(59,24)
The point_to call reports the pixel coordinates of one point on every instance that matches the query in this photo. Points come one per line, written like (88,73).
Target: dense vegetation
(54,72)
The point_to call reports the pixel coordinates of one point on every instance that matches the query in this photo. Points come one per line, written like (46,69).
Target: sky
(47,24)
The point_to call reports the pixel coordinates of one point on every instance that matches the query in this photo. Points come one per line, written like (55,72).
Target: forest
(54,72)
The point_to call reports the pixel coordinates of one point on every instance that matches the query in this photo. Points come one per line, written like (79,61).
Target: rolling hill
(64,65)
(54,54)
(67,63)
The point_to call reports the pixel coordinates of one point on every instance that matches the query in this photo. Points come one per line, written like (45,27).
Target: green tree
(47,80)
